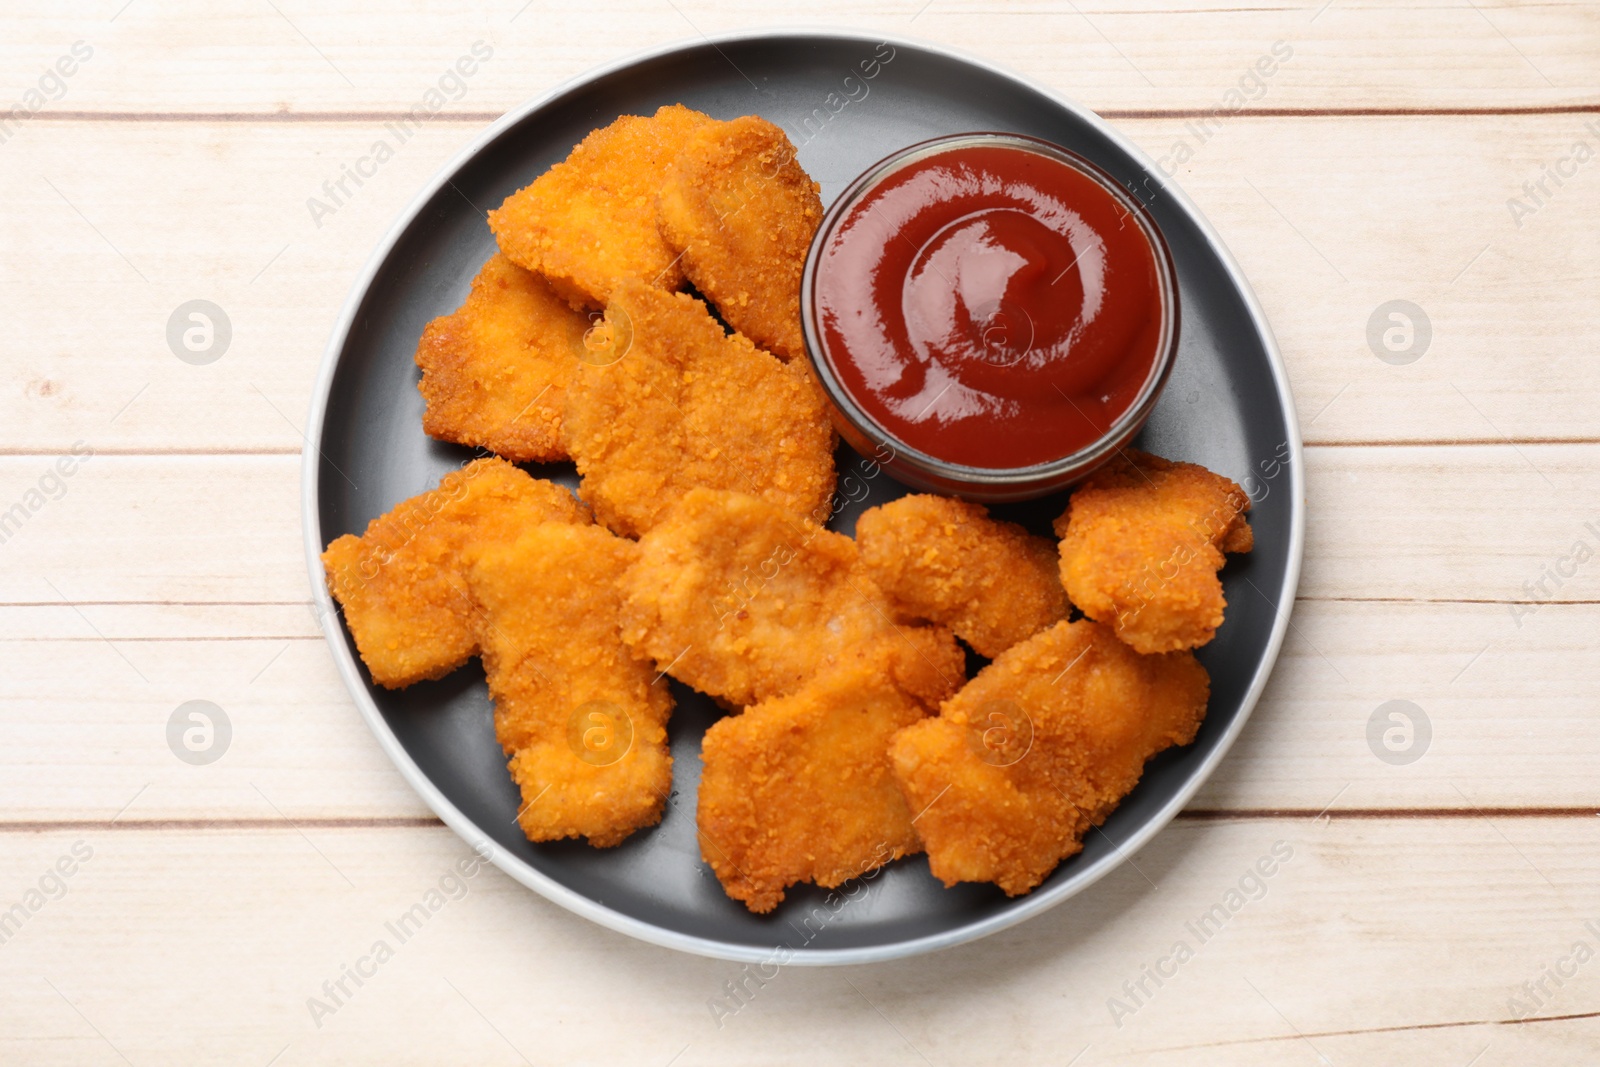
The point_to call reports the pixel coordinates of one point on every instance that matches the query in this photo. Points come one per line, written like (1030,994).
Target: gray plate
(1227,406)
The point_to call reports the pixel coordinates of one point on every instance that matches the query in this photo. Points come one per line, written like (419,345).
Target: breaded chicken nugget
(1141,543)
(683,404)
(947,561)
(583,721)
(400,583)
(742,212)
(495,372)
(799,788)
(1039,747)
(746,602)
(590,221)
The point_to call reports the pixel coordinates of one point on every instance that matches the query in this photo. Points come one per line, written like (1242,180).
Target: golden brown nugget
(1039,747)
(1141,543)
(742,212)
(495,372)
(400,583)
(745,602)
(590,221)
(682,405)
(583,721)
(947,561)
(799,788)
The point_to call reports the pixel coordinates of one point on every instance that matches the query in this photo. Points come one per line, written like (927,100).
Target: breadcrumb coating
(582,719)
(680,404)
(1038,748)
(742,212)
(699,428)
(589,222)
(947,561)
(495,371)
(400,583)
(745,602)
(1141,543)
(799,788)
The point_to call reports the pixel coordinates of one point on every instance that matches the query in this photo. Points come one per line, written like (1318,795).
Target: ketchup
(990,306)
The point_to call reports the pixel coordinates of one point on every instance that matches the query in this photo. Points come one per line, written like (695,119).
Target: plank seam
(290,450)
(397,822)
(51,453)
(1298,1036)
(411,822)
(480,117)
(181,640)
(1305,599)
(1256,814)
(1453,442)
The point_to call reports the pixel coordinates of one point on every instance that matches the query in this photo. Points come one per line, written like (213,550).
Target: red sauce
(990,306)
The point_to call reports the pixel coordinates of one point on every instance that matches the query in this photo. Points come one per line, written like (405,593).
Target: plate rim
(1023,908)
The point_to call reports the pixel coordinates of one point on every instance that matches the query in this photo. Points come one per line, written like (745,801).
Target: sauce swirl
(990,306)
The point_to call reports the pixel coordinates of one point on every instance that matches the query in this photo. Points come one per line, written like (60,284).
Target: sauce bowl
(917,466)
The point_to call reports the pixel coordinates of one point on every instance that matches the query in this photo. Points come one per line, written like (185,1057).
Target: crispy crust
(745,602)
(583,721)
(742,212)
(590,221)
(799,788)
(495,372)
(400,583)
(947,561)
(715,450)
(1141,543)
(685,405)
(1039,747)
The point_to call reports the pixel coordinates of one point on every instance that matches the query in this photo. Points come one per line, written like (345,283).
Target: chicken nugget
(799,788)
(1141,543)
(1038,748)
(590,221)
(681,404)
(400,583)
(741,211)
(947,561)
(583,720)
(746,602)
(495,372)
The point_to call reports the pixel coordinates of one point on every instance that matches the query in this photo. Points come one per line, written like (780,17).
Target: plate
(846,101)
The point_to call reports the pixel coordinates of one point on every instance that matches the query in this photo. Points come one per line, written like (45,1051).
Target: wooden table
(1442,866)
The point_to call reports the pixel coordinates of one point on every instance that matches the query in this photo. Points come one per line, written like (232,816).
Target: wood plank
(1415,523)
(300,57)
(87,721)
(500,975)
(142,588)
(103,255)
(166,528)
(1449,567)
(185,212)
(1508,712)
(1436,230)
(1477,523)
(1493,704)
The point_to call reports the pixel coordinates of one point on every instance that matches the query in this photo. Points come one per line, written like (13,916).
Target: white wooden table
(1441,880)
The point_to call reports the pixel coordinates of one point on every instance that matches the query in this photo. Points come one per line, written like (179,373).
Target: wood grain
(1451,522)
(1509,710)
(1444,922)
(296,57)
(1488,523)
(103,254)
